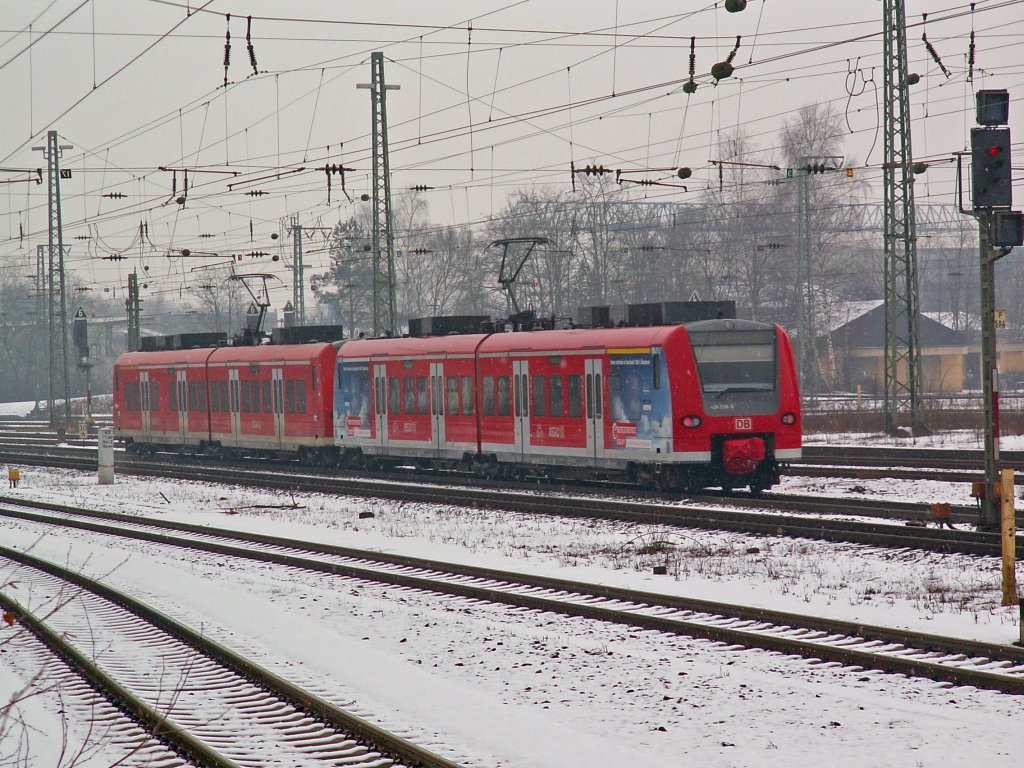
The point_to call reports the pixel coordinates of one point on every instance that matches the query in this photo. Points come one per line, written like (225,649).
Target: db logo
(744,424)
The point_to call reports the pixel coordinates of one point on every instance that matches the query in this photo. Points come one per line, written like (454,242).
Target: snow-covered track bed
(853,644)
(795,517)
(209,704)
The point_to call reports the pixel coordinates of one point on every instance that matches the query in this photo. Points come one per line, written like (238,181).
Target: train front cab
(746,407)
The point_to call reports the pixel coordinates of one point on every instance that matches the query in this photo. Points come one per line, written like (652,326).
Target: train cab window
(467,395)
(504,395)
(394,395)
(408,396)
(268,403)
(575,383)
(289,396)
(540,396)
(214,398)
(246,401)
(452,384)
(255,396)
(172,396)
(300,396)
(313,377)
(154,396)
(488,395)
(556,401)
(737,361)
(127,396)
(422,401)
(656,370)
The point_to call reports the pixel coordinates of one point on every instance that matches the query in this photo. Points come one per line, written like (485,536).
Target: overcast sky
(493,97)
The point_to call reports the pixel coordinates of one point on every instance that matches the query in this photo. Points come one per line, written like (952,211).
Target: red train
(709,403)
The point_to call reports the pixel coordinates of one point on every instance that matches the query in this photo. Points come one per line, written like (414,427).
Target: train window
(409,399)
(224,404)
(598,394)
(215,397)
(488,395)
(540,396)
(145,396)
(201,396)
(421,395)
(300,396)
(268,403)
(575,396)
(504,395)
(394,395)
(255,396)
(590,395)
(735,361)
(656,370)
(172,396)
(313,377)
(246,401)
(555,401)
(192,397)
(135,396)
(289,396)
(154,396)
(519,387)
(127,396)
(467,395)
(453,395)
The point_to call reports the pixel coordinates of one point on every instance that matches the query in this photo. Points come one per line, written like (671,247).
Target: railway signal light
(815,168)
(684,173)
(991,175)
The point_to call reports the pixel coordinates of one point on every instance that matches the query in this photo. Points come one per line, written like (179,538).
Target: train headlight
(690,422)
(789,419)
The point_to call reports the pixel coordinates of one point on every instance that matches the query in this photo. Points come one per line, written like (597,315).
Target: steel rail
(387,743)
(647,511)
(507,593)
(142,714)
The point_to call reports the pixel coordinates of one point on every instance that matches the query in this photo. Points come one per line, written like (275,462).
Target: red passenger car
(707,403)
(273,398)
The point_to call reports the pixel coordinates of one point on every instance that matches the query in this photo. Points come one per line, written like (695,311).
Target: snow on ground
(564,691)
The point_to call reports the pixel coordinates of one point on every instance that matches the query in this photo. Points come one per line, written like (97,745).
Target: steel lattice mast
(57,313)
(902,334)
(383,241)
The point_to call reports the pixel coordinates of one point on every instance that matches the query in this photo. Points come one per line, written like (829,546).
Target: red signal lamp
(994,151)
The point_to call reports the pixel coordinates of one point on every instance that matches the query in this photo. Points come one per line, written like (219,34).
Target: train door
(380,407)
(595,407)
(182,385)
(277,386)
(437,405)
(521,405)
(236,417)
(146,420)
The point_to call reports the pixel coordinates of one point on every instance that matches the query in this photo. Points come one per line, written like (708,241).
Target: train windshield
(735,360)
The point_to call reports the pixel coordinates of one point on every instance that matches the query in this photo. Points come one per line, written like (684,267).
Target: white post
(105,454)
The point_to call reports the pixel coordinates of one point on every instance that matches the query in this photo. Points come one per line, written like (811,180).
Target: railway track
(210,705)
(951,660)
(798,517)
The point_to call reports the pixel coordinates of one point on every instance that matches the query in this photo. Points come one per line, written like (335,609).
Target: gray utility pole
(807,357)
(383,243)
(41,323)
(805,289)
(902,311)
(57,313)
(134,306)
(298,287)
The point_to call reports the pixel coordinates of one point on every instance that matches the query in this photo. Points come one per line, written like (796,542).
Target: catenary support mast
(902,334)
